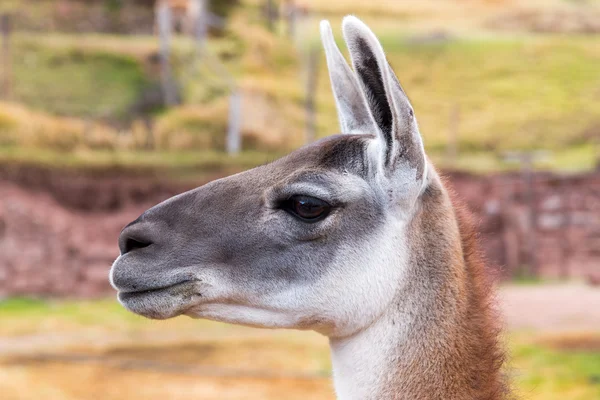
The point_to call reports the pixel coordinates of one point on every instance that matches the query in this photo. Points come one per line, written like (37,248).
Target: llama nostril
(134,244)
(135,236)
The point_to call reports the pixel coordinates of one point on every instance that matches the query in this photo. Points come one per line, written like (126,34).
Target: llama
(354,236)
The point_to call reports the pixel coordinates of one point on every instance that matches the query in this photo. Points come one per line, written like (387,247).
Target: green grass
(538,371)
(194,163)
(19,305)
(31,316)
(192,160)
(72,81)
(73,311)
(521,91)
(511,93)
(184,167)
(95,75)
(543,373)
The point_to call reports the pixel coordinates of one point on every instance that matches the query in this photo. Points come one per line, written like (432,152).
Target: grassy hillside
(73,79)
(510,92)
(499,91)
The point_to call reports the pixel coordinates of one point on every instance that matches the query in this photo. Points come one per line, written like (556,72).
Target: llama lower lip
(161,303)
(177,288)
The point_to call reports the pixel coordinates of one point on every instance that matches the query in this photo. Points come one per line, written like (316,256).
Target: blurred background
(110,106)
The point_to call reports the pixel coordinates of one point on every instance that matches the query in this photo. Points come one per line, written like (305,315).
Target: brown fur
(482,318)
(453,350)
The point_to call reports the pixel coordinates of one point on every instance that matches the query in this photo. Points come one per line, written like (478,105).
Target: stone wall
(58,232)
(551,227)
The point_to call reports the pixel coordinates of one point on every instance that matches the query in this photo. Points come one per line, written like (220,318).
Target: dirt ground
(551,307)
(179,361)
(543,308)
(65,222)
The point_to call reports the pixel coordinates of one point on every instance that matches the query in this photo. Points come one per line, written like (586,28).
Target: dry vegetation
(513,90)
(516,91)
(578,341)
(180,129)
(95,349)
(76,382)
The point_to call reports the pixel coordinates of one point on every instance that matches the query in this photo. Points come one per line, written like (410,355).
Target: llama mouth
(182,287)
(162,303)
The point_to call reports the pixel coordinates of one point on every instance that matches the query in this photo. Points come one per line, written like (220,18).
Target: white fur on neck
(363,364)
(364,361)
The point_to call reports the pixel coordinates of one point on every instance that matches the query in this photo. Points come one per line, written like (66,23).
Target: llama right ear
(352,108)
(389,105)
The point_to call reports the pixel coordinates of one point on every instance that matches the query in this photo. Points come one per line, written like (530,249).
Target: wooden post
(233,129)
(200,24)
(6,64)
(526,159)
(596,144)
(452,149)
(565,251)
(164,23)
(292,18)
(528,178)
(510,234)
(271,15)
(311,91)
(204,19)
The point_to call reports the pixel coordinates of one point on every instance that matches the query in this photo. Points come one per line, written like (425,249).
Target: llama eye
(306,208)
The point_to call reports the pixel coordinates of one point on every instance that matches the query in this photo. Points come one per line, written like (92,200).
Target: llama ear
(387,102)
(353,112)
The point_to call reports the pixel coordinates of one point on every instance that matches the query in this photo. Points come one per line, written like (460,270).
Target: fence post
(311,91)
(149,125)
(292,22)
(200,24)
(164,23)
(526,159)
(6,31)
(528,178)
(509,227)
(596,144)
(291,15)
(271,15)
(233,129)
(565,251)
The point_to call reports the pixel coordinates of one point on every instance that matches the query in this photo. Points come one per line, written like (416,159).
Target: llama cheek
(359,286)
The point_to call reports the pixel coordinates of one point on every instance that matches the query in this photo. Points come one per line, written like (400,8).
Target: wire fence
(118,86)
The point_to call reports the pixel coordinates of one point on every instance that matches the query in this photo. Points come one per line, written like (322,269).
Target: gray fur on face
(233,228)
(228,251)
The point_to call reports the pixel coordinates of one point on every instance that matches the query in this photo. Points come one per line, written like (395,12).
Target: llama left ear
(353,112)
(393,114)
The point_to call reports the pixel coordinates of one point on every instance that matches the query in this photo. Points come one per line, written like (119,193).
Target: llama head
(315,240)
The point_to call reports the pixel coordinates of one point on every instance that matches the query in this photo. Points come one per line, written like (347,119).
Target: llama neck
(364,363)
(437,338)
